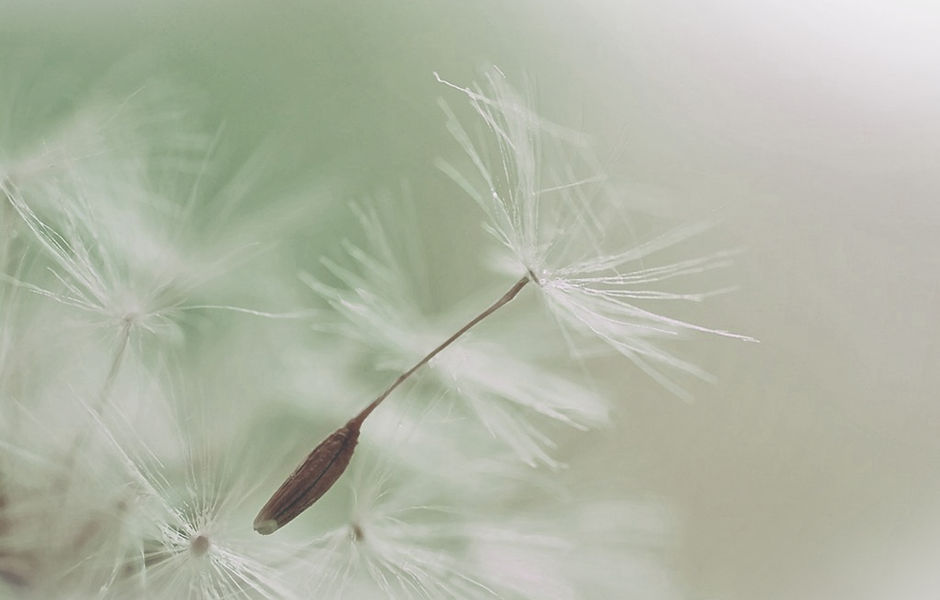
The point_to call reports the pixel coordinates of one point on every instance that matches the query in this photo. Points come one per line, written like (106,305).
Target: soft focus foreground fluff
(159,374)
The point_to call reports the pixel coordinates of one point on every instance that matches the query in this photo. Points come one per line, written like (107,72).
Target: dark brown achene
(317,474)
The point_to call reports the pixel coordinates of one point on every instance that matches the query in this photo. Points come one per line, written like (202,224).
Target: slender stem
(123,340)
(104,395)
(358,419)
(326,463)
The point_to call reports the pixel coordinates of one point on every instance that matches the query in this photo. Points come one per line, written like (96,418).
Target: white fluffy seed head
(407,534)
(549,205)
(119,236)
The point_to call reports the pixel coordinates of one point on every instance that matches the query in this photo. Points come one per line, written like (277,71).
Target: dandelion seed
(188,543)
(592,292)
(324,465)
(125,270)
(497,381)
(115,202)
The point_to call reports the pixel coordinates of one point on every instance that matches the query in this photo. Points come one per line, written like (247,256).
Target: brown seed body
(310,480)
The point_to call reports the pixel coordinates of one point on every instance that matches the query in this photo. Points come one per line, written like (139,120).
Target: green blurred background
(810,470)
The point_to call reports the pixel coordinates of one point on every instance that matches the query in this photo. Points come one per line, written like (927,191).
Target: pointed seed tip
(266,526)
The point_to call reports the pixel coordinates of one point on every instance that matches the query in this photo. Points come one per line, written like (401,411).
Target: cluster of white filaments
(553,222)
